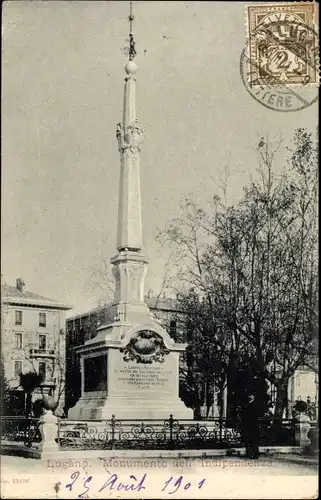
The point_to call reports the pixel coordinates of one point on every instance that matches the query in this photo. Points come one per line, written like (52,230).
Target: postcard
(159,295)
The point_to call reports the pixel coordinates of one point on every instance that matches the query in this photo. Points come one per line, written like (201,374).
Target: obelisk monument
(131,368)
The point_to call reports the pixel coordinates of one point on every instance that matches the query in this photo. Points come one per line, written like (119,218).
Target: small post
(302,427)
(112,431)
(27,429)
(221,428)
(28,432)
(59,431)
(171,422)
(48,427)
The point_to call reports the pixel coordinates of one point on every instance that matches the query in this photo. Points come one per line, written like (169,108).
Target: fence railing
(168,434)
(277,432)
(20,430)
(42,352)
(148,434)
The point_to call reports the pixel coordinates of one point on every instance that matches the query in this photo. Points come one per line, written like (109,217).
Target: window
(17,368)
(18,317)
(42,319)
(42,369)
(172,329)
(18,337)
(42,342)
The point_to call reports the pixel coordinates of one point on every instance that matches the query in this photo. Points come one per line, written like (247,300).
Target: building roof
(163,303)
(154,303)
(12,295)
(84,314)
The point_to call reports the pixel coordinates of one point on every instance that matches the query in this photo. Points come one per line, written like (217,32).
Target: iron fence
(168,434)
(20,430)
(277,432)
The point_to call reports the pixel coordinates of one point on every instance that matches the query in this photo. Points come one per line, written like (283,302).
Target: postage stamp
(282,54)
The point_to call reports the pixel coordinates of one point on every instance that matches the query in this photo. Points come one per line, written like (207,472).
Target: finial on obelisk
(132,43)
(131,66)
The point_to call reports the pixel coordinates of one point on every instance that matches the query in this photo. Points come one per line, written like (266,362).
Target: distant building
(169,314)
(33,339)
(82,327)
(304,386)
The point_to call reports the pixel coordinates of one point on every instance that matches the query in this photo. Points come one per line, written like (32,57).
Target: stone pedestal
(48,428)
(137,376)
(302,427)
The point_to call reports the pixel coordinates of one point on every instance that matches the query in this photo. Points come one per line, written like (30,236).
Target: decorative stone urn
(300,407)
(48,426)
(49,403)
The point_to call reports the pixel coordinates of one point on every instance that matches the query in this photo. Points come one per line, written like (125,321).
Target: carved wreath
(129,140)
(146,347)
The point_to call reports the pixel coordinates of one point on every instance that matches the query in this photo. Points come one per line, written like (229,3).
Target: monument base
(104,408)
(131,372)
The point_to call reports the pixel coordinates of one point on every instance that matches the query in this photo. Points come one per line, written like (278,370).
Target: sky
(62,86)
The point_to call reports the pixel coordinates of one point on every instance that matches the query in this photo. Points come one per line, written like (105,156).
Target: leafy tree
(247,274)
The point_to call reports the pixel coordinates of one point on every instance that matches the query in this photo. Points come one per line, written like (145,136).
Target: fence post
(112,431)
(221,430)
(27,430)
(302,427)
(48,427)
(171,422)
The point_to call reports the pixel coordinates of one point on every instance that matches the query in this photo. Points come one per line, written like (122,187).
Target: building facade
(33,340)
(304,386)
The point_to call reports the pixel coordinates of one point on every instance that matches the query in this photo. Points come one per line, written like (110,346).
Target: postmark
(279,65)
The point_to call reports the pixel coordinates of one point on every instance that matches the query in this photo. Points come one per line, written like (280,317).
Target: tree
(208,350)
(278,251)
(206,357)
(29,382)
(58,374)
(252,267)
(100,282)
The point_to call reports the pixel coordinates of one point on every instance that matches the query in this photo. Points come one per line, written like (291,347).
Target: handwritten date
(133,483)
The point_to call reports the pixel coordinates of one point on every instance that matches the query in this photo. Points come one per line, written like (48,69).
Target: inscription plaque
(145,377)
